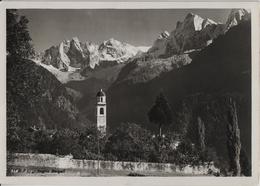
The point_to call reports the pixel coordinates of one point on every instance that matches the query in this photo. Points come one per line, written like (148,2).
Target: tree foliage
(66,141)
(201,132)
(92,142)
(160,113)
(18,37)
(233,136)
(185,154)
(130,143)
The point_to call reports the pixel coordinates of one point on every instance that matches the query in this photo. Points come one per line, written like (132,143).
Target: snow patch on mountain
(72,57)
(64,58)
(76,42)
(113,50)
(144,48)
(62,76)
(92,50)
(75,54)
(197,22)
(237,16)
(194,33)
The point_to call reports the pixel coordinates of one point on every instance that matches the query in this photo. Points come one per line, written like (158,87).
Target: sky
(139,27)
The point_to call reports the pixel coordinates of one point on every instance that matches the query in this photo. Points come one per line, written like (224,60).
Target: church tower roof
(101,93)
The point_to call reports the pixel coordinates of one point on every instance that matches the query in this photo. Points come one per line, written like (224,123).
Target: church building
(101,111)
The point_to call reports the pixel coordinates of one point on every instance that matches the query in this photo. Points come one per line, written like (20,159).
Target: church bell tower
(101,111)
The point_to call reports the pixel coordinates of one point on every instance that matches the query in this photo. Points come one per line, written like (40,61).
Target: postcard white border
(151,181)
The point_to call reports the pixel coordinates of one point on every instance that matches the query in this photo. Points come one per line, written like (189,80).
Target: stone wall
(68,163)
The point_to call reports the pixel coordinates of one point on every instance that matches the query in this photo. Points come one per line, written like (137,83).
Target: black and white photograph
(129,92)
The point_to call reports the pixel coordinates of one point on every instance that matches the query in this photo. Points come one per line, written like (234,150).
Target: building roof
(101,93)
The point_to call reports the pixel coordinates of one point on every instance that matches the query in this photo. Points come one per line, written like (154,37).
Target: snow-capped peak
(237,16)
(114,50)
(74,55)
(194,32)
(76,43)
(76,39)
(207,22)
(112,43)
(194,21)
(91,47)
(197,21)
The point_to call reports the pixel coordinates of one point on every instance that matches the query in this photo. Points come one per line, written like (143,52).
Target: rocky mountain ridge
(194,33)
(178,48)
(236,17)
(73,60)
(72,54)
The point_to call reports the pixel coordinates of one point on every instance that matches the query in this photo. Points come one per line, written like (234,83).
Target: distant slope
(214,69)
(100,78)
(146,68)
(88,89)
(35,98)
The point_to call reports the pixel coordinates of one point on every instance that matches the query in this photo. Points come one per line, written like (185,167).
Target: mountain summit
(73,54)
(179,48)
(114,50)
(170,50)
(194,33)
(237,16)
(193,22)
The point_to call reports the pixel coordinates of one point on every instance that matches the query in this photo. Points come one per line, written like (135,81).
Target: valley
(201,71)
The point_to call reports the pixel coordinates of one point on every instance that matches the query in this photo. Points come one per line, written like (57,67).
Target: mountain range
(72,54)
(194,33)
(85,67)
(75,60)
